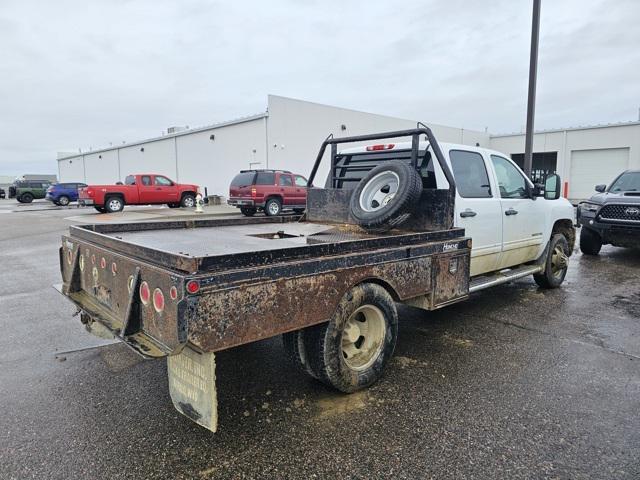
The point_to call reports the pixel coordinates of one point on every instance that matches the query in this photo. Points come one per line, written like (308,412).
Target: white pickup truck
(510,220)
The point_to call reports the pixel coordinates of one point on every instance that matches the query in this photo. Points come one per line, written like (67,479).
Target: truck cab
(509,219)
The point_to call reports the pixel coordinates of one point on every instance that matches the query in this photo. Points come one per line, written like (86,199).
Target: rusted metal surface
(450,278)
(106,286)
(434,212)
(241,305)
(249,308)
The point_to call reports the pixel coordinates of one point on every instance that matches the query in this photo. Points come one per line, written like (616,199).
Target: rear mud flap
(192,386)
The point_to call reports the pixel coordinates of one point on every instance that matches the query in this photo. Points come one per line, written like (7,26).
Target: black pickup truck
(611,216)
(328,281)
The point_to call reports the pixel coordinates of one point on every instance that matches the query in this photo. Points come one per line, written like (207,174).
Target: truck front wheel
(557,263)
(188,201)
(351,351)
(590,242)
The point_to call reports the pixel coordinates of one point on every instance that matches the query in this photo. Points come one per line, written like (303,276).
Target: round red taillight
(173,293)
(145,293)
(103,263)
(193,286)
(158,300)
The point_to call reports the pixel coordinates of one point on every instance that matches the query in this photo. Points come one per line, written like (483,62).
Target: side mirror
(552,186)
(601,188)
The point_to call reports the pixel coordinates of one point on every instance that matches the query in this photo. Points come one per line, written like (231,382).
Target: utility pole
(531,102)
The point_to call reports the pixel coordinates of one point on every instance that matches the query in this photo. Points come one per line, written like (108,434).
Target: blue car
(63,193)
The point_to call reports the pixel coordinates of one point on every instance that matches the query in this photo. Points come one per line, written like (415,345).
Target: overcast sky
(78,74)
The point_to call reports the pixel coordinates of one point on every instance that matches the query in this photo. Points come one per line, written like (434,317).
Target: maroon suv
(271,191)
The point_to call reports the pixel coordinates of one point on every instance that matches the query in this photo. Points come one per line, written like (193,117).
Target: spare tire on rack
(386,197)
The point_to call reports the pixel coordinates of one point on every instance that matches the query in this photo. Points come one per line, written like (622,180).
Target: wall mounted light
(142,149)
(212,137)
(343,127)
(99,156)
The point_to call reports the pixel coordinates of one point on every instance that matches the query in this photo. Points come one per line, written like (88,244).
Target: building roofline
(189,131)
(376,114)
(568,129)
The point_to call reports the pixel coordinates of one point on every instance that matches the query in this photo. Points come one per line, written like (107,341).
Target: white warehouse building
(286,136)
(582,156)
(289,133)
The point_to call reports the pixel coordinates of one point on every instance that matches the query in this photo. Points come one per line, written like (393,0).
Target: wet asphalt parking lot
(517,382)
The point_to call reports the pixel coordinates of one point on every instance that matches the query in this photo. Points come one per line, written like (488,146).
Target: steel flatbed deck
(223,244)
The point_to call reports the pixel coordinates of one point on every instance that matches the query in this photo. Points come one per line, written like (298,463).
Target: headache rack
(338,170)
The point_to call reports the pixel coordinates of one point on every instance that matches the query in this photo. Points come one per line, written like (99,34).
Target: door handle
(511,211)
(468,213)
(158,188)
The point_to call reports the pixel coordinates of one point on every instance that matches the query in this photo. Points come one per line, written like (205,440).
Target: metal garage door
(592,167)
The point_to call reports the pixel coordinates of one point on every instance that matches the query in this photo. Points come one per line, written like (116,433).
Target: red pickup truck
(139,189)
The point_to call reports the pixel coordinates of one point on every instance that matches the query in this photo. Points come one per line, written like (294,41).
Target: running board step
(504,276)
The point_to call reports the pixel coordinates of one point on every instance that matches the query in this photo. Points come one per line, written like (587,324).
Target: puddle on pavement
(628,303)
(404,362)
(457,341)
(340,404)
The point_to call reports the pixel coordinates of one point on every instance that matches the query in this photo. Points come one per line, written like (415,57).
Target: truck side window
(301,181)
(146,180)
(163,181)
(266,178)
(285,180)
(510,181)
(130,180)
(470,174)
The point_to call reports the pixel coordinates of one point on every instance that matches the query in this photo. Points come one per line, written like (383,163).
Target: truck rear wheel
(294,347)
(248,211)
(590,242)
(557,263)
(26,198)
(113,204)
(351,351)
(273,207)
(386,197)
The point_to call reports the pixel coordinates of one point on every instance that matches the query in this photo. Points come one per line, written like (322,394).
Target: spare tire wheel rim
(363,337)
(274,209)
(379,191)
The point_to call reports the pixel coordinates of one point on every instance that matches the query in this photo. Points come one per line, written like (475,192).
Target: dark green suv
(26,191)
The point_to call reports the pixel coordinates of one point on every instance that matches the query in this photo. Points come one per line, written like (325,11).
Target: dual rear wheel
(350,351)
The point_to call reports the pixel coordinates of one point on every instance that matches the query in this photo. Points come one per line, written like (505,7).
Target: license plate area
(108,286)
